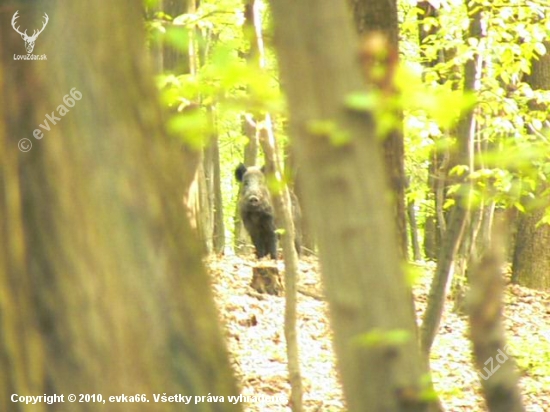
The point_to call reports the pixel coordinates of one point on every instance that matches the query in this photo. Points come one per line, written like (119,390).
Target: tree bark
(308,242)
(218,235)
(175,59)
(413,225)
(282,206)
(435,224)
(248,123)
(500,381)
(380,16)
(103,289)
(363,277)
(531,262)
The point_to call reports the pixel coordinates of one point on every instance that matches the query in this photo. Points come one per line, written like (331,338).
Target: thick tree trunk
(360,262)
(531,266)
(380,16)
(531,261)
(103,289)
(308,243)
(175,59)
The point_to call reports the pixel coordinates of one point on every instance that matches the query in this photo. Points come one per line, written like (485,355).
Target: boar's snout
(253,200)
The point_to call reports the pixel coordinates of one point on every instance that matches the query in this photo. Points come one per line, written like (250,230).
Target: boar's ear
(239,172)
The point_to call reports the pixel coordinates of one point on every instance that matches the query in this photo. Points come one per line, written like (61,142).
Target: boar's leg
(265,243)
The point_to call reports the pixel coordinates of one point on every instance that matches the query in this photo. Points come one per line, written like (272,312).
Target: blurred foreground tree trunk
(363,277)
(500,379)
(102,286)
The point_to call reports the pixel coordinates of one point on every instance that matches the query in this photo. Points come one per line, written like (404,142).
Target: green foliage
(512,150)
(193,126)
(432,101)
(221,85)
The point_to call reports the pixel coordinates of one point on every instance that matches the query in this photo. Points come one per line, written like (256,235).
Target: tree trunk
(435,223)
(358,249)
(103,289)
(413,225)
(203,210)
(285,218)
(460,211)
(380,16)
(308,243)
(242,240)
(531,264)
(282,206)
(248,125)
(431,237)
(204,184)
(500,381)
(218,235)
(175,59)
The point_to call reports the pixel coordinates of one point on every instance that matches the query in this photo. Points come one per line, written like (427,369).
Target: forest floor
(254,329)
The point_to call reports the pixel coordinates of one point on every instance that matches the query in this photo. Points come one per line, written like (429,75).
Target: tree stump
(266,279)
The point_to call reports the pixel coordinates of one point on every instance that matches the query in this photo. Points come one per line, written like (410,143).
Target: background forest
(406,151)
(223,69)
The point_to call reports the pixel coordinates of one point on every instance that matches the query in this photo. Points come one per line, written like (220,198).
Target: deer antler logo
(29,40)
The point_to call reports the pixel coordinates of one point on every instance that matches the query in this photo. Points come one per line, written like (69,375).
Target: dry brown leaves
(254,332)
